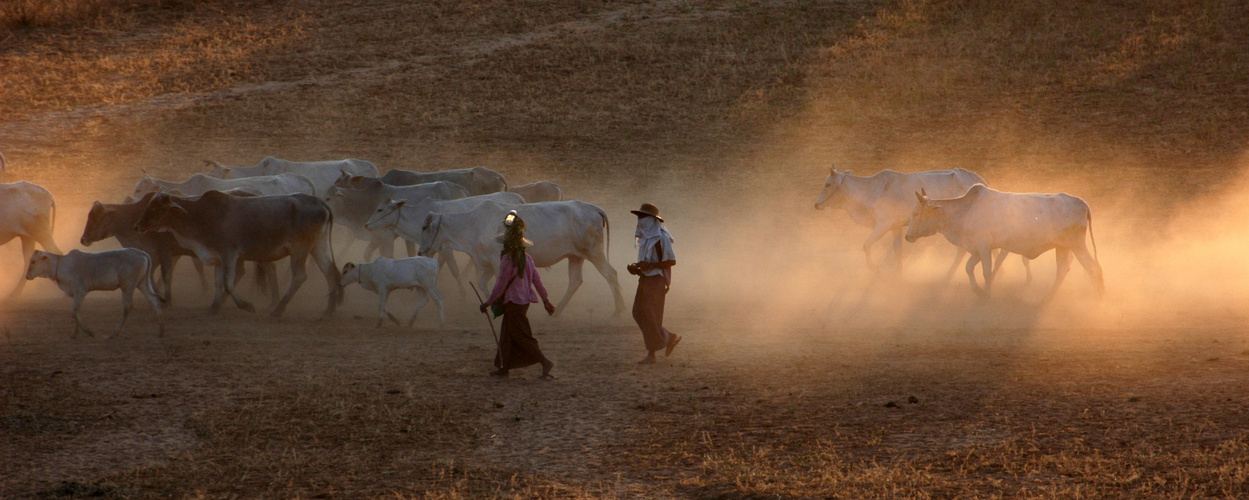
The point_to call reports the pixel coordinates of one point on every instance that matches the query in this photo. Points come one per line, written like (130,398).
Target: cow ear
(846,172)
(355,181)
(399,203)
(173,205)
(97,205)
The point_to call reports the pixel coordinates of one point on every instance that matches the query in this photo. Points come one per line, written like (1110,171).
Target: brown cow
(477,180)
(223,229)
(118,221)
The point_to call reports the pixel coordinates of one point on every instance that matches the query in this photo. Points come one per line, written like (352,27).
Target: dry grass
(709,108)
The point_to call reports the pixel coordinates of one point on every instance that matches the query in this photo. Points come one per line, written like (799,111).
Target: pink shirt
(521,291)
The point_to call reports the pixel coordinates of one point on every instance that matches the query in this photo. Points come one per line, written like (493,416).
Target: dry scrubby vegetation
(629,93)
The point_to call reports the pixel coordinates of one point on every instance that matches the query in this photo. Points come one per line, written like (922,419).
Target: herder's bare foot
(546,369)
(649,359)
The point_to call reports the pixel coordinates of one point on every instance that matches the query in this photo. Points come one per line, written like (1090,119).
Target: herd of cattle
(283,209)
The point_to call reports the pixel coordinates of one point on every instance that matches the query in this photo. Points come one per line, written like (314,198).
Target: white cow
(572,230)
(539,192)
(321,173)
(354,199)
(198,184)
(884,202)
(385,275)
(403,219)
(1026,224)
(28,212)
(79,273)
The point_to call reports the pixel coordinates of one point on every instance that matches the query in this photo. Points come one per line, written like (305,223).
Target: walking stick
(488,318)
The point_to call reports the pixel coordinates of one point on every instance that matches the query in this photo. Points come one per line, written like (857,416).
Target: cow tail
(1091,238)
(149,275)
(607,229)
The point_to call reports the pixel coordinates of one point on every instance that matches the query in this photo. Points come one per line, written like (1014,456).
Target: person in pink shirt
(514,287)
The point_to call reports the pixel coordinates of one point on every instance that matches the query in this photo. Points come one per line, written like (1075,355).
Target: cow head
(831,193)
(351,274)
(430,232)
(219,171)
(161,213)
(386,216)
(926,219)
(97,224)
(42,265)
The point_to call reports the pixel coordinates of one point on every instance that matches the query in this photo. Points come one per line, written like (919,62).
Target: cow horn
(920,197)
(923,192)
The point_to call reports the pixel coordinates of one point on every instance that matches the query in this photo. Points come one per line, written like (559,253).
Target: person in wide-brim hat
(514,289)
(654,271)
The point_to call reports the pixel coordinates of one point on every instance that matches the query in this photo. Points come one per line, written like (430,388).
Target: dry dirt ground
(802,375)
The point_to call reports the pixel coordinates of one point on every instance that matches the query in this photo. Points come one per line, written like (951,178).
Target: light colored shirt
(660,251)
(522,289)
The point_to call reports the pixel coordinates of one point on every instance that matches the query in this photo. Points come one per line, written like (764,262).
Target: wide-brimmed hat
(648,210)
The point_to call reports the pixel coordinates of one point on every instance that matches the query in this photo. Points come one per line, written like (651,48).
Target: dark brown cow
(477,180)
(118,221)
(223,229)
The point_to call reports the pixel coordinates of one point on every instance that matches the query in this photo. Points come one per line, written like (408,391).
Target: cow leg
(997,263)
(1027,266)
(79,324)
(959,252)
(971,273)
(445,258)
(232,268)
(422,298)
(368,250)
(383,295)
(270,287)
(321,254)
(28,249)
(609,273)
(986,268)
(156,306)
(486,270)
(44,236)
(219,272)
(167,263)
(877,233)
(299,273)
(1093,268)
(1063,257)
(199,269)
(574,282)
(431,291)
(385,247)
(127,303)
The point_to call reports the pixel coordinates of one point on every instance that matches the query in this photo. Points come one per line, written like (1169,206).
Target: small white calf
(78,273)
(384,275)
